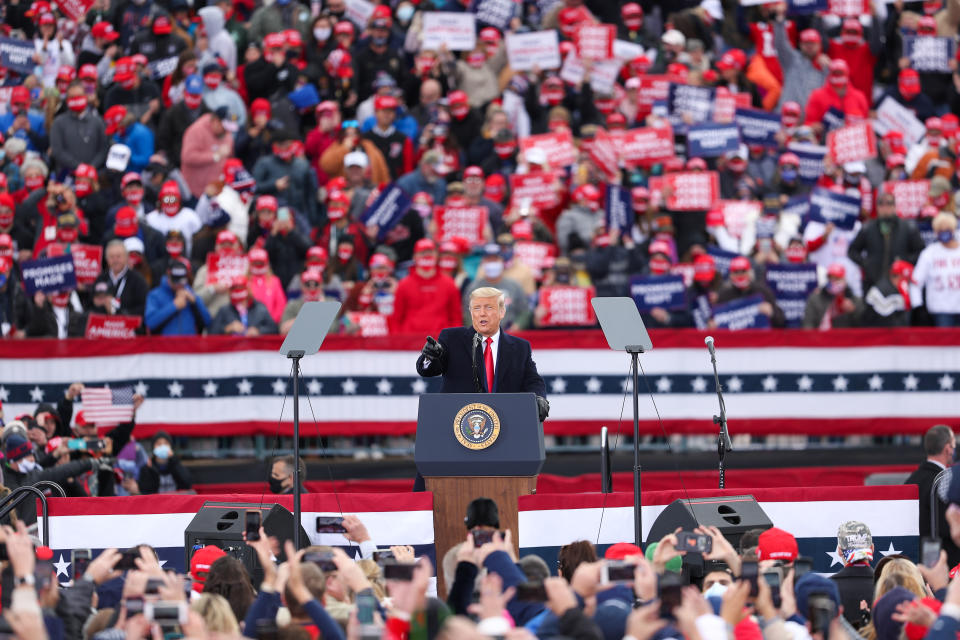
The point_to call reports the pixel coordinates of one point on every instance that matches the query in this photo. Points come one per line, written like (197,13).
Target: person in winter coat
(160,42)
(178,118)
(278,232)
(52,49)
(163,473)
(216,94)
(581,219)
(265,286)
(859,54)
(271,72)
(172,307)
(803,70)
(741,284)
(124,129)
(219,41)
(207,144)
(78,136)
(837,93)
(281,15)
(244,316)
(833,305)
(883,240)
(288,177)
(426,301)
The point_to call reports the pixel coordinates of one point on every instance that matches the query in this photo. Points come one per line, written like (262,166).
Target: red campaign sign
(74,9)
(595,41)
(558,147)
(112,327)
(372,324)
(848,8)
(603,152)
(739,214)
(224,268)
(652,89)
(910,195)
(852,143)
(466,222)
(692,191)
(655,186)
(86,262)
(567,306)
(725,105)
(647,145)
(535,255)
(539,187)
(684,269)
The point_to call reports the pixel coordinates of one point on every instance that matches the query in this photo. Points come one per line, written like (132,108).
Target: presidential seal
(476,426)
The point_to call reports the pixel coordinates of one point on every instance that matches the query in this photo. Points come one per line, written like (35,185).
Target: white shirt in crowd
(938,273)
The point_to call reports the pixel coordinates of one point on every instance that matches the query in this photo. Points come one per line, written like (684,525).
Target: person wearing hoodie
(216,94)
(207,143)
(178,118)
(278,16)
(581,219)
(172,307)
(219,41)
(78,136)
(425,301)
(163,472)
(288,176)
(159,43)
(122,125)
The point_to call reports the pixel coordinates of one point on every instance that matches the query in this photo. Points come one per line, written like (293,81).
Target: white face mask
(322,34)
(26,466)
(716,589)
(493,269)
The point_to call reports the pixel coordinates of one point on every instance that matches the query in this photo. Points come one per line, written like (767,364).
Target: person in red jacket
(838,93)
(857,53)
(426,301)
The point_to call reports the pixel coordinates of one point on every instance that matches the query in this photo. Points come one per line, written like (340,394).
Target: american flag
(104,406)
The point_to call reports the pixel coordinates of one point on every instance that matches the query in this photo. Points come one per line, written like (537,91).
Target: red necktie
(488,364)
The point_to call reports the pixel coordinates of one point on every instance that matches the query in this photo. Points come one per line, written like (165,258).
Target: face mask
(284,153)
(836,287)
(258,268)
(852,179)
(314,294)
(336,213)
(552,97)
(659,266)
(134,198)
(424,65)
(212,81)
(850,39)
(460,111)
(788,175)
(266,223)
(344,253)
(322,34)
(129,83)
(379,42)
(504,149)
(192,101)
(945,236)
(67,235)
(175,249)
(426,263)
(563,277)
(83,189)
(796,255)
(476,60)
(633,24)
(170,205)
(77,104)
(940,201)
(405,13)
(26,466)
(276,485)
(60,299)
(127,466)
(6,218)
(162,452)
(933,141)
(740,280)
(238,297)
(448,264)
(493,269)
(716,590)
(34,182)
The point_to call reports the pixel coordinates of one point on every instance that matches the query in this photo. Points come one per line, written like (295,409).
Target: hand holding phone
(694,542)
(251,525)
(929,552)
(748,572)
(327,524)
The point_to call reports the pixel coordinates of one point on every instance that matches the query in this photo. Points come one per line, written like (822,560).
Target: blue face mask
(162,452)
(127,466)
(405,13)
(788,175)
(945,236)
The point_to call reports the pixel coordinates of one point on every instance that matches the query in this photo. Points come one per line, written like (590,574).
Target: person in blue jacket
(123,126)
(173,309)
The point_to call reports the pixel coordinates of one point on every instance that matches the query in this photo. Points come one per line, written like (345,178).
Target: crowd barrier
(838,382)
(546,521)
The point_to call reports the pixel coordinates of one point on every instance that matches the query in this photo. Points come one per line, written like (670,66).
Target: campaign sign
(653,88)
(891,115)
(848,8)
(74,9)
(222,268)
(792,284)
(725,105)
(929,53)
(371,324)
(527,50)
(595,41)
(603,151)
(603,75)
(839,208)
(833,118)
(625,51)
(359,12)
(740,214)
(558,147)
(910,195)
(806,7)
(811,160)
(387,210)
(456,30)
(160,69)
(17,55)
(618,209)
(664,292)
(49,275)
(721,259)
(692,191)
(712,140)
(535,255)
(112,327)
(496,13)
(647,145)
(539,187)
(849,144)
(696,102)
(741,314)
(758,128)
(567,306)
(797,206)
(466,222)
(86,262)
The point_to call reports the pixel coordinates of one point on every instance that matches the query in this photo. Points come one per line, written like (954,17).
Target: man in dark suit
(482,358)
(855,580)
(939,444)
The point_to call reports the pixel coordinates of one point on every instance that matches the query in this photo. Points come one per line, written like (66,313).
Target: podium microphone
(709,342)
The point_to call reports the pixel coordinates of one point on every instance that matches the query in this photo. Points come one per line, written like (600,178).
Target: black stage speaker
(732,515)
(222,524)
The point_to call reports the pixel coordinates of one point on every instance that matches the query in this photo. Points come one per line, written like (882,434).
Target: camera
(166,614)
(323,560)
(402,571)
(670,593)
(327,524)
(482,536)
(617,572)
(694,542)
(821,611)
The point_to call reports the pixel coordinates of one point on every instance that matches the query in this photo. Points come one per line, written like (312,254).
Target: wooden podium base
(451,495)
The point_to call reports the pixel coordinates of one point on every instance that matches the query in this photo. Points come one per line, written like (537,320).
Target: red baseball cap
(622,550)
(125,224)
(274,41)
(776,544)
(202,559)
(739,263)
(489,35)
(810,35)
(704,268)
(105,31)
(266,202)
(226,237)
(473,172)
(162,25)
(424,244)
(385,102)
(130,176)
(836,270)
(87,72)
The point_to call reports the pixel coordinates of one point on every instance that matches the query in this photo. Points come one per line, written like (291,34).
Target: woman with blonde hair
(216,614)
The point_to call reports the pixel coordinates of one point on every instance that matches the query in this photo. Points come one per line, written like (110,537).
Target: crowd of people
(228,159)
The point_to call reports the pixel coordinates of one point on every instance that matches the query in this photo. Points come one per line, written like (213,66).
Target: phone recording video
(401,571)
(670,592)
(166,614)
(821,611)
(930,552)
(694,542)
(328,524)
(323,560)
(251,525)
(617,572)
(774,578)
(79,561)
(482,536)
(801,567)
(748,572)
(128,560)
(382,555)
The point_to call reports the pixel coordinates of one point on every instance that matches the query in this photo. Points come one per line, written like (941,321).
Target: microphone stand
(723,439)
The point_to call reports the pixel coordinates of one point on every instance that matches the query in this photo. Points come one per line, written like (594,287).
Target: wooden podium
(476,445)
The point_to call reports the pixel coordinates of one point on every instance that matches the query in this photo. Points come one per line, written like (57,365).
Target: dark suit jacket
(514,372)
(855,583)
(923,477)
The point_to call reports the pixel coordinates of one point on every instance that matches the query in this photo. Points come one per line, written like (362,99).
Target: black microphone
(709,342)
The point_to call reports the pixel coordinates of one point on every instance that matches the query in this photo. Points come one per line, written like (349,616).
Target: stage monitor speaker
(732,515)
(222,524)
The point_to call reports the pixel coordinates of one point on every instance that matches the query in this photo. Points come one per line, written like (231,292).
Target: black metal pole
(296,452)
(637,516)
(723,438)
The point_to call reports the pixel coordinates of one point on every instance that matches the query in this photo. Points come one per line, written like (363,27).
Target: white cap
(118,157)
(674,37)
(535,155)
(855,167)
(356,159)
(133,243)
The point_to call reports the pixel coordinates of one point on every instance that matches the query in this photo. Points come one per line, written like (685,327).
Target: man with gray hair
(129,288)
(939,445)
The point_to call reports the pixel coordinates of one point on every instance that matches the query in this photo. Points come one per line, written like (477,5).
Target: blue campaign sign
(722,259)
(496,13)
(798,206)
(839,208)
(619,208)
(758,127)
(665,292)
(49,275)
(806,7)
(387,210)
(833,119)
(701,312)
(929,54)
(741,314)
(712,140)
(811,160)
(792,284)
(697,102)
(17,55)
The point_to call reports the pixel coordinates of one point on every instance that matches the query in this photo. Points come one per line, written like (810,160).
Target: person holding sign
(834,304)
(54,315)
(741,284)
(836,93)
(426,300)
